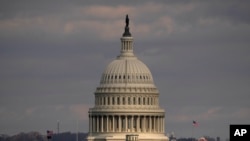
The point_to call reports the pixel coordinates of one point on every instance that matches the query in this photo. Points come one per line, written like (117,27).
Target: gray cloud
(52,55)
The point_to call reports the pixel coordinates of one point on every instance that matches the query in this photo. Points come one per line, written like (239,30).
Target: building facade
(126,101)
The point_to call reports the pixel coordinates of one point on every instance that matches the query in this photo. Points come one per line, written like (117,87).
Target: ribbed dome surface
(127,70)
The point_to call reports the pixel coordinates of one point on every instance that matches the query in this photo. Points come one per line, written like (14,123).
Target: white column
(150,124)
(126,123)
(154,123)
(160,124)
(102,123)
(137,123)
(113,123)
(132,124)
(120,124)
(97,123)
(163,124)
(144,124)
(107,123)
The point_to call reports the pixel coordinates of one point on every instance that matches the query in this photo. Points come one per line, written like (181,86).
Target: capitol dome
(126,101)
(127,71)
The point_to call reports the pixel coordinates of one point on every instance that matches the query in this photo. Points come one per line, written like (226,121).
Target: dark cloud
(52,54)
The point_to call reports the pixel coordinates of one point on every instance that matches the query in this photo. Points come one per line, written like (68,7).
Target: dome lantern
(127,41)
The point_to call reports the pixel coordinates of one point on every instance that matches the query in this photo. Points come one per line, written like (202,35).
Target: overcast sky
(52,55)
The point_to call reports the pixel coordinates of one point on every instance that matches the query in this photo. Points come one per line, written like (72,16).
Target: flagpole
(193,132)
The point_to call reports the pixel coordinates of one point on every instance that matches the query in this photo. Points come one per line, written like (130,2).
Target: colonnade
(126,100)
(127,45)
(126,123)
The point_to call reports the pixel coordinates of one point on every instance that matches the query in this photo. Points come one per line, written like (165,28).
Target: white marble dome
(126,101)
(126,71)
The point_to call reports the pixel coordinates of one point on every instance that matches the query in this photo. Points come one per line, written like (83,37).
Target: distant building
(126,101)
